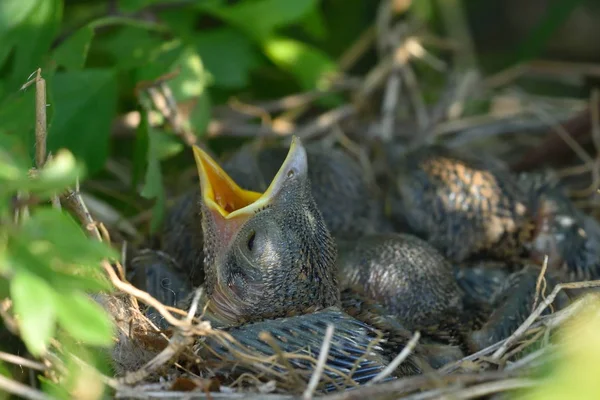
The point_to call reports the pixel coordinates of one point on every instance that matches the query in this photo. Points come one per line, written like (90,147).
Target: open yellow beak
(221,194)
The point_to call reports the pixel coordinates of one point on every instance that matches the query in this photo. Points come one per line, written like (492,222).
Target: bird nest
(523,130)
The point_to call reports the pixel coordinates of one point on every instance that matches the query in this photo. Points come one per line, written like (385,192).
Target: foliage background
(94,54)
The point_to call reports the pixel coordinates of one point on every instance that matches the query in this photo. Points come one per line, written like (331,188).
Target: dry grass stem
(316,376)
(21,361)
(537,312)
(399,359)
(23,391)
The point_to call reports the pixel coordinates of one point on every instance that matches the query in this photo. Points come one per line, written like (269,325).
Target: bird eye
(251,241)
(291,173)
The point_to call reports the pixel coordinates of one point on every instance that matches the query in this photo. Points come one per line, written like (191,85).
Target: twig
(40,120)
(194,305)
(538,311)
(419,382)
(165,103)
(145,297)
(325,121)
(357,49)
(406,351)
(145,85)
(178,342)
(475,391)
(538,285)
(316,376)
(73,201)
(415,95)
(21,390)
(14,359)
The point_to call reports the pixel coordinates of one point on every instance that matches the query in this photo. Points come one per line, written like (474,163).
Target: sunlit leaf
(72,53)
(84,319)
(57,175)
(308,64)
(192,78)
(231,68)
(38,258)
(34,304)
(85,104)
(573,374)
(14,12)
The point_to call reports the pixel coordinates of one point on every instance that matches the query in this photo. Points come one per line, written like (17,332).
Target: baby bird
(270,265)
(463,205)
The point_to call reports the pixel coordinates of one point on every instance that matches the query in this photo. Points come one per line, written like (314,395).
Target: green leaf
(17,113)
(84,319)
(32,39)
(230,69)
(556,14)
(260,18)
(314,24)
(136,5)
(14,12)
(423,10)
(201,114)
(192,78)
(307,64)
(66,237)
(153,185)
(72,53)
(34,304)
(140,152)
(57,174)
(130,46)
(85,105)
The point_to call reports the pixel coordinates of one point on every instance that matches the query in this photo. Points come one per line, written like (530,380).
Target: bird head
(267,255)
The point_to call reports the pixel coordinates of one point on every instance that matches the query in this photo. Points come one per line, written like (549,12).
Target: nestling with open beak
(270,256)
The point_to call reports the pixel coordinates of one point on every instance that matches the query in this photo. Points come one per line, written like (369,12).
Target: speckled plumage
(279,261)
(406,275)
(461,204)
(356,348)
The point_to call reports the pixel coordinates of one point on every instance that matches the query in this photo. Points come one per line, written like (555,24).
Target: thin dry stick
(10,386)
(24,362)
(73,201)
(538,311)
(325,121)
(357,49)
(538,285)
(406,351)
(415,95)
(194,306)
(178,342)
(316,376)
(40,120)
(476,391)
(564,135)
(145,297)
